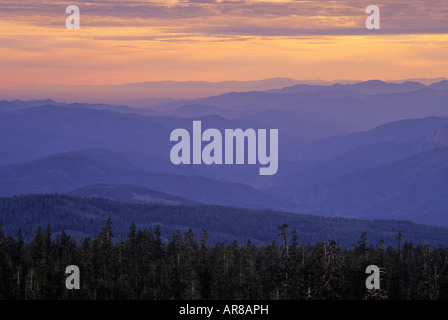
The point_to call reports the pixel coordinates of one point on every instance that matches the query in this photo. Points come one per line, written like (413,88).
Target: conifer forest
(147,265)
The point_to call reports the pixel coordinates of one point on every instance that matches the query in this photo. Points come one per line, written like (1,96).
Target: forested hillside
(84,217)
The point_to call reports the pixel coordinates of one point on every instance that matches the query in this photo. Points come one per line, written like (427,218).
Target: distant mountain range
(141,93)
(371,87)
(153,93)
(370,150)
(37,131)
(377,103)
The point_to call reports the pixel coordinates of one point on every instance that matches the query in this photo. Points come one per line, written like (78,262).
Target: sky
(207,40)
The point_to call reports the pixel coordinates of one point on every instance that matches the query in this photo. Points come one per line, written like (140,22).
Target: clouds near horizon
(131,41)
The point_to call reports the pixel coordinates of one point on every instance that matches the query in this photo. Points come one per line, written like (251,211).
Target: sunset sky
(135,41)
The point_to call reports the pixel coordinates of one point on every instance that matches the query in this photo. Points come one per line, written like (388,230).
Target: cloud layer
(252,17)
(130,41)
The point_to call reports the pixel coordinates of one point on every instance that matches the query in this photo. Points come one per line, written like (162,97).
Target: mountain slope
(366,111)
(415,188)
(28,134)
(293,125)
(81,217)
(40,131)
(308,173)
(361,88)
(396,132)
(68,171)
(297,175)
(128,193)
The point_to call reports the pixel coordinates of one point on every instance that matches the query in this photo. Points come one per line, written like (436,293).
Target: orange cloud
(123,42)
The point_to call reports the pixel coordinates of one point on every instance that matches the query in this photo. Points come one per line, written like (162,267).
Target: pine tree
(396,289)
(203,269)
(284,267)
(331,264)
(443,280)
(6,268)
(298,282)
(429,278)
